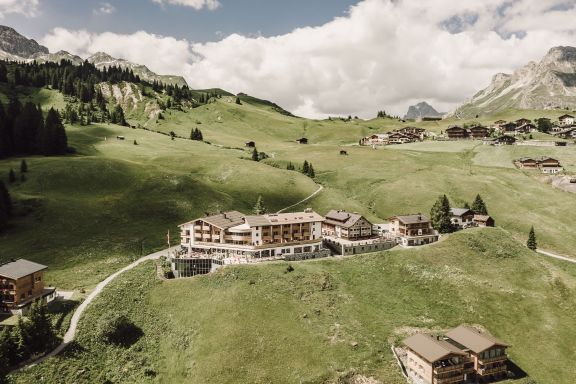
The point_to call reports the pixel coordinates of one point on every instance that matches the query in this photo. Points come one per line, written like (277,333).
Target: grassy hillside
(259,324)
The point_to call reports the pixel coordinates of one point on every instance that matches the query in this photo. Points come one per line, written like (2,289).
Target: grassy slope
(259,324)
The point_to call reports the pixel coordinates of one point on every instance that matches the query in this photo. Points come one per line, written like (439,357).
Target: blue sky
(247,17)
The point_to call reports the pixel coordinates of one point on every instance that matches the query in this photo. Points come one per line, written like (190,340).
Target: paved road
(320,188)
(71,333)
(559,257)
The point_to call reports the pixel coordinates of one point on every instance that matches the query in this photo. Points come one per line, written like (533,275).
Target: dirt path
(559,257)
(71,333)
(320,188)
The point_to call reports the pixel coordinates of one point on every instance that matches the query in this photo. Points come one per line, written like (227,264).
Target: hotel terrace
(233,234)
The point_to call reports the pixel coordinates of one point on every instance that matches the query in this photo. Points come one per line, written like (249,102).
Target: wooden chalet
(527,162)
(479,132)
(522,121)
(302,140)
(483,221)
(347,225)
(455,132)
(21,283)
(509,127)
(250,144)
(566,120)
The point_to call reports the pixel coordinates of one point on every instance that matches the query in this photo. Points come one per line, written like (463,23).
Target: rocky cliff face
(549,84)
(13,43)
(421,110)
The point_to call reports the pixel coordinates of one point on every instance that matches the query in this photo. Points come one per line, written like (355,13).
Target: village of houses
(462,355)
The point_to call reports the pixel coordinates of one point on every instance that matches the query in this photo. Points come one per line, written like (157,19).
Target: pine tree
(23,166)
(440,215)
(305,167)
(531,243)
(5,206)
(8,346)
(11,176)
(311,172)
(21,339)
(40,329)
(259,208)
(52,139)
(255,155)
(238,101)
(479,207)
(290,166)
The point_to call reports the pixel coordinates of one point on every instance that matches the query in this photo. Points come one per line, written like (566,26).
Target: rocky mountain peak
(15,44)
(421,110)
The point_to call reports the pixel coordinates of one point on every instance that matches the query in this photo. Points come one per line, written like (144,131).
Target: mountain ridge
(422,110)
(547,84)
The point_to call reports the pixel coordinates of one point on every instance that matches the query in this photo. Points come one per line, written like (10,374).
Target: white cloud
(196,4)
(105,9)
(383,55)
(28,8)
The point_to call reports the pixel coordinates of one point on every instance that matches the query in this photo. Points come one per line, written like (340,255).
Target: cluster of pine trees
(24,131)
(31,335)
(257,156)
(441,217)
(5,206)
(308,169)
(196,134)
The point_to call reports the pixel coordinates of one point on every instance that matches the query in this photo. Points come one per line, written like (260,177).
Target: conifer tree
(21,338)
(440,215)
(5,206)
(531,243)
(238,101)
(52,139)
(305,167)
(259,208)
(8,346)
(311,172)
(40,330)
(23,166)
(255,155)
(478,206)
(11,176)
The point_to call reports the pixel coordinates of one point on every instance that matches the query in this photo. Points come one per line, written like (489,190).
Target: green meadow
(88,214)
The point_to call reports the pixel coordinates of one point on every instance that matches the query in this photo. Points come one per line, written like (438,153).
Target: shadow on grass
(515,372)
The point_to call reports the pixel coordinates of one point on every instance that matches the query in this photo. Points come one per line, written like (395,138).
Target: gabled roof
(565,117)
(526,159)
(223,220)
(293,218)
(482,218)
(342,218)
(431,348)
(473,339)
(455,128)
(500,122)
(460,212)
(19,268)
(411,219)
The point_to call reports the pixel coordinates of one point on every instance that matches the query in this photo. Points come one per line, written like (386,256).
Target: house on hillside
(413,230)
(462,217)
(233,234)
(302,140)
(455,132)
(250,144)
(527,162)
(556,129)
(347,225)
(525,128)
(509,127)
(432,360)
(401,138)
(550,165)
(478,132)
(522,121)
(566,120)
(483,221)
(21,283)
(486,352)
(375,139)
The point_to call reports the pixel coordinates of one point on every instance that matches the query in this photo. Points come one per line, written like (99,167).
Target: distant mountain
(549,84)
(15,47)
(422,110)
(14,44)
(102,59)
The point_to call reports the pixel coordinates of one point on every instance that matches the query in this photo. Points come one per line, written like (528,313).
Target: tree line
(25,131)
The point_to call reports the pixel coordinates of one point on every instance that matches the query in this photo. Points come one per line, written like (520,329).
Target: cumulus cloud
(384,54)
(27,8)
(105,9)
(196,4)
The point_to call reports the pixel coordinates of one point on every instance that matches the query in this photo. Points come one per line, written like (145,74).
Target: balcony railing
(492,371)
(447,380)
(449,368)
(492,359)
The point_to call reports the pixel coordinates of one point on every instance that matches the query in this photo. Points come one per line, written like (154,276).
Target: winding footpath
(555,256)
(71,333)
(320,188)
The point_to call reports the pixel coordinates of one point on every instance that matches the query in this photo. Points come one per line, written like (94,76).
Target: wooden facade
(21,282)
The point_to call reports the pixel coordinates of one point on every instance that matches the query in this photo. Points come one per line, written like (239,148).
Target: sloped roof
(342,218)
(473,339)
(460,211)
(431,348)
(293,218)
(482,218)
(565,117)
(20,268)
(223,220)
(412,219)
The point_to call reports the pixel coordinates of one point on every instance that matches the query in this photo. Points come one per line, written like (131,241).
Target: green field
(87,215)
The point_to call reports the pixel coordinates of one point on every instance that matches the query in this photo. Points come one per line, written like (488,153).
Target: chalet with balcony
(566,120)
(401,138)
(523,121)
(525,128)
(549,165)
(347,225)
(431,360)
(413,230)
(375,139)
(462,217)
(478,132)
(527,162)
(455,132)
(21,283)
(509,127)
(487,353)
(233,234)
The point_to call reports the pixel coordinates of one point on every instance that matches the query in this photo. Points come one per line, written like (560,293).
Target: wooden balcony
(493,359)
(492,371)
(449,368)
(449,380)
